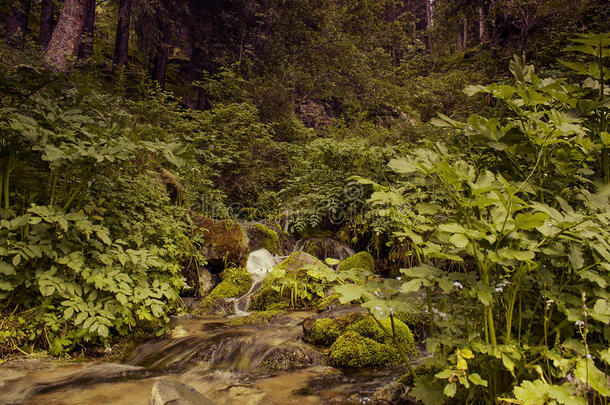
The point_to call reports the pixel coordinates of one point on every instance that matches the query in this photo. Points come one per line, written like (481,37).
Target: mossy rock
(255,318)
(262,237)
(369,328)
(418,320)
(224,242)
(268,297)
(236,281)
(354,350)
(361,260)
(324,248)
(328,302)
(324,331)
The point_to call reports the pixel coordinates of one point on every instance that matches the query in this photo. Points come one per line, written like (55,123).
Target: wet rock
(206,282)
(175,393)
(392,394)
(92,375)
(324,248)
(224,242)
(289,357)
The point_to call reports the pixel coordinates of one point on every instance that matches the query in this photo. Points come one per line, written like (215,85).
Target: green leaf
(529,221)
(587,373)
(459,240)
(601,311)
(477,380)
(348,293)
(532,392)
(450,390)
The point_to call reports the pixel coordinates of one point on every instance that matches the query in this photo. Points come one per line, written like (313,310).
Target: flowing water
(264,364)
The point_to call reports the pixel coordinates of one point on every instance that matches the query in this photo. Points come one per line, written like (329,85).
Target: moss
(262,237)
(369,328)
(269,296)
(328,302)
(354,350)
(417,320)
(255,318)
(325,331)
(223,242)
(361,260)
(236,281)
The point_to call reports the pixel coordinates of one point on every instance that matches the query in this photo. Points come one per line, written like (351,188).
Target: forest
(305,202)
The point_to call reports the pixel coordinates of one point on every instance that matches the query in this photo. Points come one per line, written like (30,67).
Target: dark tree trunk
(66,35)
(46,22)
(160,62)
(429,23)
(197,63)
(17,21)
(482,25)
(85,49)
(121,44)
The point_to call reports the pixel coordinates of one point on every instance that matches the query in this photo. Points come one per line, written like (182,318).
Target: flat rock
(175,393)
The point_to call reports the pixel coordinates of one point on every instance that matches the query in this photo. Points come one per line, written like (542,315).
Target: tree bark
(429,23)
(121,44)
(85,49)
(46,22)
(66,35)
(465,33)
(17,21)
(482,24)
(160,62)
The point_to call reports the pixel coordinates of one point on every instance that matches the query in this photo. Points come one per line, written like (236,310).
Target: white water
(260,263)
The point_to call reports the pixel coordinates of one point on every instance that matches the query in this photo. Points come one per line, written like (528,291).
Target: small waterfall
(260,263)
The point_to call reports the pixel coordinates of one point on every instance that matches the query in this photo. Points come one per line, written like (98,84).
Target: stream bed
(265,364)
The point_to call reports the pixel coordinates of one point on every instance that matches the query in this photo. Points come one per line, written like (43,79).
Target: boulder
(361,260)
(391,394)
(175,393)
(262,237)
(324,248)
(224,242)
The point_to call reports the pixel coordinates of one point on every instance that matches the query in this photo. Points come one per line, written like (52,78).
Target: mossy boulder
(369,328)
(324,331)
(361,260)
(224,242)
(236,281)
(262,237)
(276,291)
(354,350)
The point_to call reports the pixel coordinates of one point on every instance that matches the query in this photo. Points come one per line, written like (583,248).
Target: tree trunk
(429,23)
(17,21)
(482,24)
(465,34)
(160,62)
(85,49)
(494,23)
(46,22)
(121,44)
(66,35)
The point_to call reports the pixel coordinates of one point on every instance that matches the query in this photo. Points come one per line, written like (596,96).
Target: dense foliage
(484,210)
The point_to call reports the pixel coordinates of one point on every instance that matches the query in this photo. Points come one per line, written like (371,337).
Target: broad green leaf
(477,380)
(450,390)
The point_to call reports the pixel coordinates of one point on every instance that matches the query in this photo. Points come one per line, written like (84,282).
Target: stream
(263,364)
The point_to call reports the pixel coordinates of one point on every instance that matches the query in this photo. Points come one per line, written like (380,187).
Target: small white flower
(589,356)
(458,285)
(499,289)
(398,278)
(378,308)
(579,323)
(442,315)
(400,290)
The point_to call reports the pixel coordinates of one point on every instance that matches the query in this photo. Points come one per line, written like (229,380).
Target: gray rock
(175,393)
(206,282)
(393,393)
